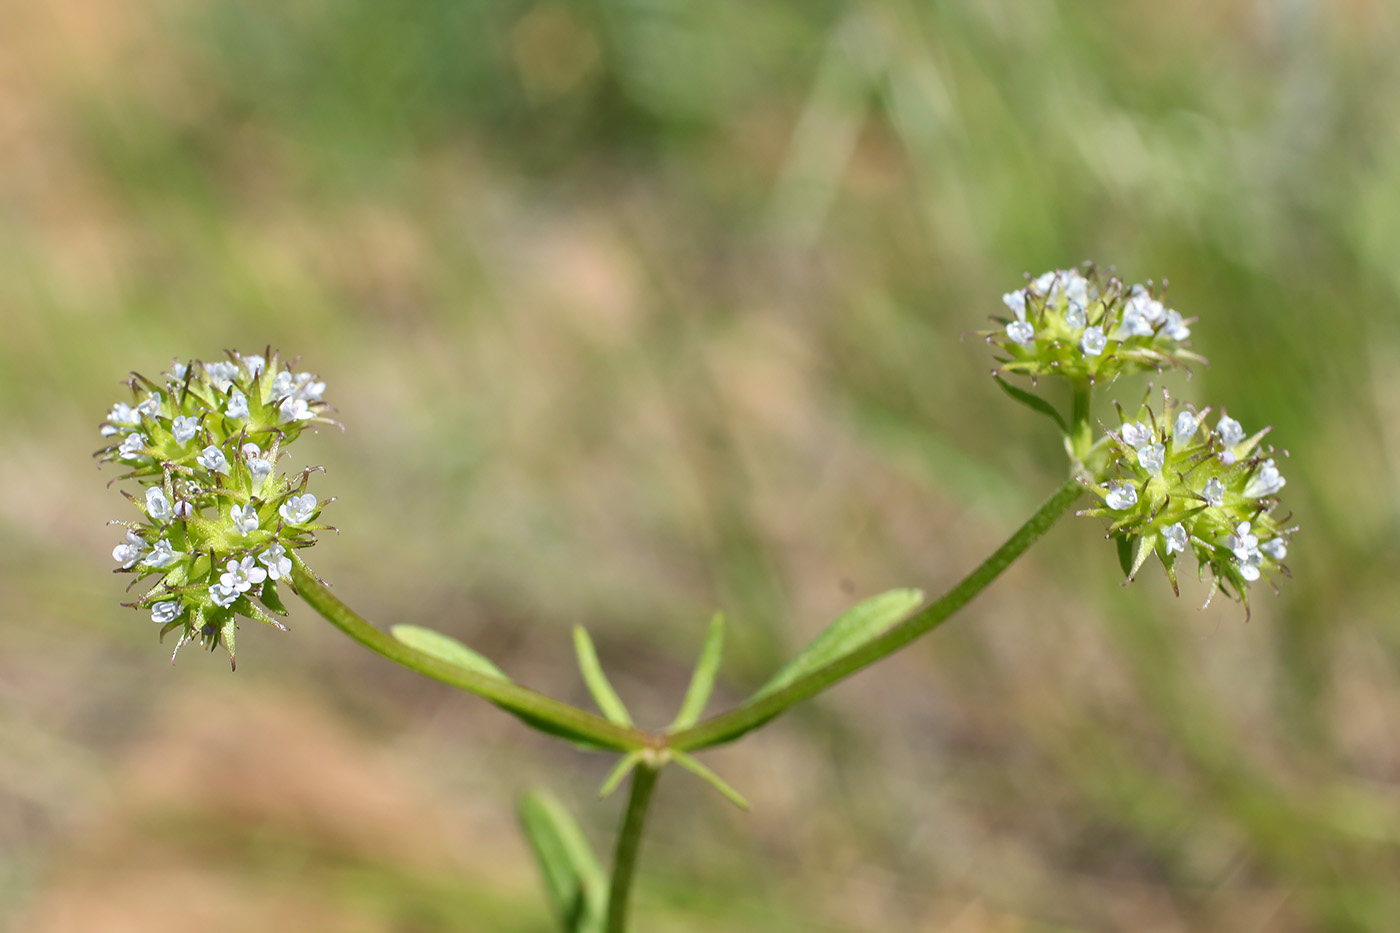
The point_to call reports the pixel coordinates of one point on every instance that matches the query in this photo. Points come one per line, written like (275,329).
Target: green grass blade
(445,648)
(609,703)
(573,876)
(702,681)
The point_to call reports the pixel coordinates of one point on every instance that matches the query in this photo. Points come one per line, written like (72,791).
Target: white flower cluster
(217,526)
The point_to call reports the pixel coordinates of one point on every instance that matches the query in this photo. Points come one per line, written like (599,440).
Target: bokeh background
(638,309)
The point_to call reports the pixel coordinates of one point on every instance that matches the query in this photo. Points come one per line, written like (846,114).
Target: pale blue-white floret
(1246,549)
(1214,492)
(1076,289)
(1093,341)
(1152,457)
(307,387)
(1175,327)
(298,509)
(1074,317)
(245,518)
(129,551)
(184,428)
(242,575)
(223,596)
(1277,548)
(1121,496)
(259,467)
(1174,538)
(162,555)
(254,363)
(133,446)
(213,460)
(1230,431)
(293,408)
(1019,331)
(1265,482)
(178,370)
(157,505)
(165,612)
(1043,284)
(1137,434)
(276,561)
(1186,425)
(1016,301)
(221,374)
(237,406)
(123,414)
(149,407)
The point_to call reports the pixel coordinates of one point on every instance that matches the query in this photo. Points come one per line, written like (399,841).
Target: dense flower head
(217,528)
(1088,328)
(1168,483)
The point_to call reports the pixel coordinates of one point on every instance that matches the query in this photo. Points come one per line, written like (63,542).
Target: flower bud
(1168,483)
(219,528)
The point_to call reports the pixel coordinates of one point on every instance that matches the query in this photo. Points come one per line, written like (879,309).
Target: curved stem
(629,843)
(538,709)
(728,726)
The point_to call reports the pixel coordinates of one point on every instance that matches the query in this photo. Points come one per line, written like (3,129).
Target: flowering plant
(220,529)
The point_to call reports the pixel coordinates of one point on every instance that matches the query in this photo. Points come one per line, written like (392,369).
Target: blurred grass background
(637,309)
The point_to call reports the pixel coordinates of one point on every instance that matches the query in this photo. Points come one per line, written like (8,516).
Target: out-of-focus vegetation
(636,309)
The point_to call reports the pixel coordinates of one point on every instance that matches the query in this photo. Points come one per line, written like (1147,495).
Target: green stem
(729,726)
(536,707)
(1081,428)
(629,843)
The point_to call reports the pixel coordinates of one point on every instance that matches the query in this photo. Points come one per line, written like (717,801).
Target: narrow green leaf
(572,874)
(624,768)
(271,598)
(609,703)
(861,623)
(445,648)
(709,777)
(1125,555)
(1034,402)
(702,681)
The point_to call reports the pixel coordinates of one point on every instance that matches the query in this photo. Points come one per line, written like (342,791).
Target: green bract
(219,526)
(1168,483)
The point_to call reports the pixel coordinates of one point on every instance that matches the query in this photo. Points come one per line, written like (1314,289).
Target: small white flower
(1076,289)
(242,575)
(130,551)
(259,466)
(149,407)
(222,595)
(157,505)
(184,428)
(1016,301)
(1243,543)
(122,413)
(1019,331)
(1093,341)
(1265,482)
(213,460)
(1042,285)
(1121,496)
(167,611)
(237,406)
(178,370)
(1137,434)
(162,555)
(1214,492)
(255,363)
(133,446)
(1152,457)
(1176,328)
(1174,537)
(245,518)
(1277,548)
(276,561)
(183,509)
(1074,317)
(293,408)
(221,374)
(1230,431)
(1249,569)
(309,387)
(1186,425)
(298,509)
